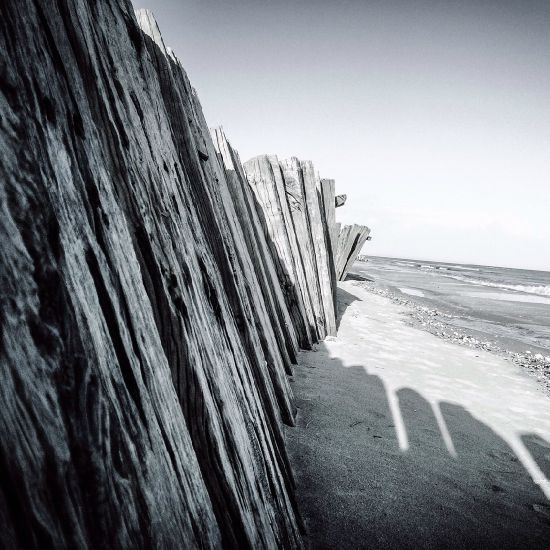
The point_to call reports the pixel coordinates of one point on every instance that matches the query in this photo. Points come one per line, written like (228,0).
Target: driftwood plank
(288,194)
(361,237)
(345,241)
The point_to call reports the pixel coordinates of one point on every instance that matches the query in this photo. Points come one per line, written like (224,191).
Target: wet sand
(405,440)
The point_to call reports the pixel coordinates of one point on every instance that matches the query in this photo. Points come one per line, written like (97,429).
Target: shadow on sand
(345,299)
(357,277)
(358,489)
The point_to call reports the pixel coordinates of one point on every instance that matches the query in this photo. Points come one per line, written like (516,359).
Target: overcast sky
(433,116)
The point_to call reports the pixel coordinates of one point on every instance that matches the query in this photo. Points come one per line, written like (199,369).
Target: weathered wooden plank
(337,227)
(316,222)
(327,197)
(361,236)
(299,207)
(266,386)
(327,189)
(136,408)
(266,180)
(342,249)
(292,185)
(258,247)
(351,240)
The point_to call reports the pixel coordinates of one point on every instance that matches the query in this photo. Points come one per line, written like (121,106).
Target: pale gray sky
(433,116)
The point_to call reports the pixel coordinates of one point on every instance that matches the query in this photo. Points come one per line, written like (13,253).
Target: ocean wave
(540,290)
(461,268)
(458,268)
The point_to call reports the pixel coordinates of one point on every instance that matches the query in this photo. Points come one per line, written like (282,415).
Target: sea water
(509,306)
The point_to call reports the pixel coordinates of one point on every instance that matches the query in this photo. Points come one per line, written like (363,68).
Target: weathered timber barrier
(328,201)
(152,300)
(259,251)
(143,386)
(351,239)
(291,197)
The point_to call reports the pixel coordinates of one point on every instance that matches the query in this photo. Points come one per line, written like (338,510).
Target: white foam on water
(542,290)
(462,268)
(507,297)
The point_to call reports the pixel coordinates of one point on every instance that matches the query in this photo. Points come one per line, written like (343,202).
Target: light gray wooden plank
(266,180)
(314,208)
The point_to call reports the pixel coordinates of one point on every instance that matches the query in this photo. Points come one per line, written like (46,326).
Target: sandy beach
(407,440)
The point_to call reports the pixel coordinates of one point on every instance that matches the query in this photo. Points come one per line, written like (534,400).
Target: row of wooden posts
(311,252)
(155,296)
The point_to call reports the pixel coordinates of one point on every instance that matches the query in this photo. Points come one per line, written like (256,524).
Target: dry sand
(404,440)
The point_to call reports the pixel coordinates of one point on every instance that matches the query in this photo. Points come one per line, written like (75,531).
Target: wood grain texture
(265,177)
(327,199)
(294,215)
(296,196)
(143,385)
(360,239)
(318,230)
(267,279)
(351,239)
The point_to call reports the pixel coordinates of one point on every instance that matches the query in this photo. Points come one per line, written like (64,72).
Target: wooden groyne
(351,239)
(153,299)
(289,195)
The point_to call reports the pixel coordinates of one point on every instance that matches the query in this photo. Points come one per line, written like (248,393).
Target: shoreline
(432,320)
(404,440)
